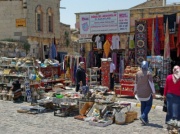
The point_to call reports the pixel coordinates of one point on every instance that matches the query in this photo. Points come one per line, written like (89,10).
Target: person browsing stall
(172,95)
(112,73)
(144,91)
(80,76)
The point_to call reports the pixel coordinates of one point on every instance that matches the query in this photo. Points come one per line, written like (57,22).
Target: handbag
(164,106)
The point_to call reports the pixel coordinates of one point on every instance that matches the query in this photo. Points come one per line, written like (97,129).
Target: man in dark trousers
(80,76)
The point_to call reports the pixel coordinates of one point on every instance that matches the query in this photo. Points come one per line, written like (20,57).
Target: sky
(67,16)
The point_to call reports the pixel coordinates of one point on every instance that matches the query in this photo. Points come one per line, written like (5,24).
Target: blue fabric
(156,39)
(52,52)
(85,89)
(145,108)
(173,107)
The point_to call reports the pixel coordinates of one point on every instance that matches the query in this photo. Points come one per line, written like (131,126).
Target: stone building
(35,21)
(65,38)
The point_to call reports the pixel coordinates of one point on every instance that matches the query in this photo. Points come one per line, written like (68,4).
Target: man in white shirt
(112,73)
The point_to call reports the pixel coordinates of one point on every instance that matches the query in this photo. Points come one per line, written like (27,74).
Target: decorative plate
(140,43)
(140,35)
(140,28)
(141,52)
(140,59)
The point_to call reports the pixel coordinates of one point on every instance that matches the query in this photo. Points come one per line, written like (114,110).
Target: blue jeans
(145,108)
(173,107)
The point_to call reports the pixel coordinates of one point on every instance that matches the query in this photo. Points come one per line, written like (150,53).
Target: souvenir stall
(93,107)
(35,77)
(71,63)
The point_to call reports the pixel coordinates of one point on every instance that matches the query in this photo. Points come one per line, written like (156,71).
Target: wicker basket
(133,113)
(131,116)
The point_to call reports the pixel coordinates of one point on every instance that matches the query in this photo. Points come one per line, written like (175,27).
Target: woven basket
(131,116)
(133,113)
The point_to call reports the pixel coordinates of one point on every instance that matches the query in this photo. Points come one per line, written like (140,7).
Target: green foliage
(66,36)
(25,44)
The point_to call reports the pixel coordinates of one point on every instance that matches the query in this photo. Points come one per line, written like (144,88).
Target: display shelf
(10,72)
(127,82)
(92,77)
(105,72)
(51,71)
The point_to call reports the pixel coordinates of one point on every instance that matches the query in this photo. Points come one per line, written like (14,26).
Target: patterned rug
(140,41)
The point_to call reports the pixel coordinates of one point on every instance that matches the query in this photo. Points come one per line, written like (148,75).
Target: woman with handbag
(172,95)
(144,91)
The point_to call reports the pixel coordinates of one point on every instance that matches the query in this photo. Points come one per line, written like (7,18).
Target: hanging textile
(140,41)
(123,41)
(114,60)
(106,48)
(171,23)
(160,31)
(166,45)
(156,39)
(171,41)
(152,50)
(131,41)
(109,38)
(121,67)
(178,40)
(115,42)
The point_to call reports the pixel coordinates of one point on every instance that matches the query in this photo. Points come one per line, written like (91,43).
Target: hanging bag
(164,106)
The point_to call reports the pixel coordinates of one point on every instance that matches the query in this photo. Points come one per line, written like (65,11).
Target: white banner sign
(110,22)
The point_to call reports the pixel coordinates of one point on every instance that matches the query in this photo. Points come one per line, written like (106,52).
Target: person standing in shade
(80,76)
(144,91)
(172,95)
(112,74)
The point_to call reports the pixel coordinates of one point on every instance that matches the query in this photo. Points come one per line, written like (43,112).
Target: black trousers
(111,81)
(77,87)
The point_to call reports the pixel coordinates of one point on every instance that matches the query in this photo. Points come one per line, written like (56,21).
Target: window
(50,24)
(39,22)
(39,18)
(50,19)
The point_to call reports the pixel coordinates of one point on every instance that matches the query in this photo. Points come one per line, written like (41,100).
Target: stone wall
(150,3)
(65,34)
(31,18)
(12,10)
(9,12)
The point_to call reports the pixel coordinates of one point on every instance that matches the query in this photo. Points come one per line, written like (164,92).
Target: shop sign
(110,22)
(20,22)
(85,36)
(85,40)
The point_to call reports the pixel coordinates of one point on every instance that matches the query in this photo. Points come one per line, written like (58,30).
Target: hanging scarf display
(123,41)
(171,23)
(160,32)
(131,41)
(156,39)
(140,41)
(178,40)
(106,48)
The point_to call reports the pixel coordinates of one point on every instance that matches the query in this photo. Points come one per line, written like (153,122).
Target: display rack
(9,73)
(92,77)
(165,71)
(105,71)
(127,82)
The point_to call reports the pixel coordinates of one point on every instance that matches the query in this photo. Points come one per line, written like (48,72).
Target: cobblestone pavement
(46,123)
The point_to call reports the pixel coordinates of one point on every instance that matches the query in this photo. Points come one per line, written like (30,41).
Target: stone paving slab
(46,123)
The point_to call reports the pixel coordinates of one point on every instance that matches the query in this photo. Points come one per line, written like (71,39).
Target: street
(46,123)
